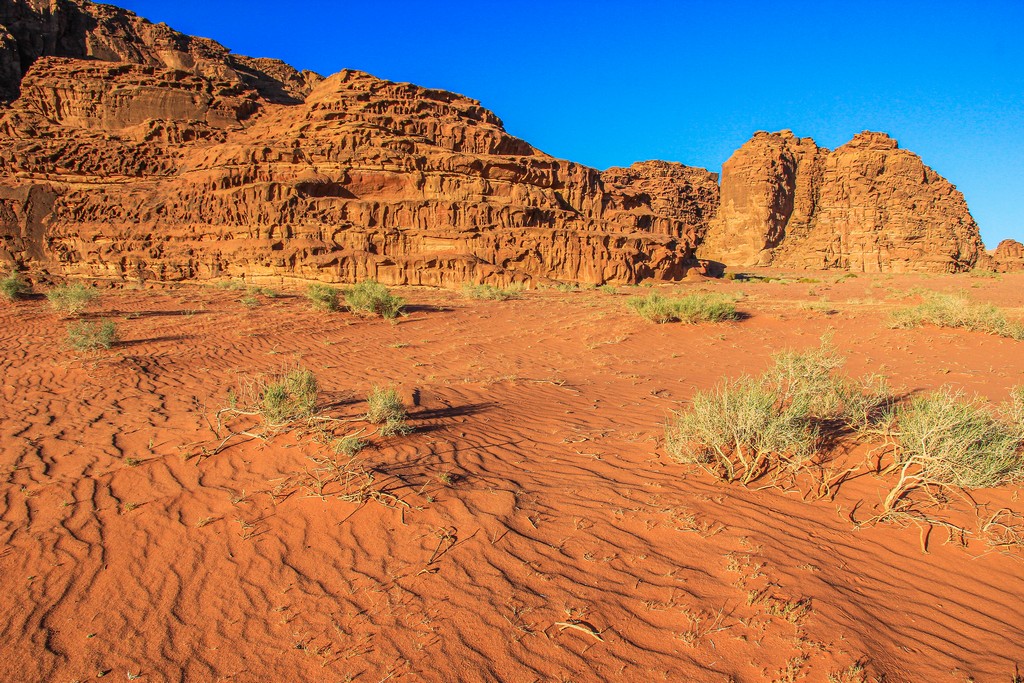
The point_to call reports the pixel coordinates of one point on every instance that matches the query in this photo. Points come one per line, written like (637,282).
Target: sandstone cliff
(769,192)
(131,169)
(30,29)
(128,150)
(1008,256)
(866,206)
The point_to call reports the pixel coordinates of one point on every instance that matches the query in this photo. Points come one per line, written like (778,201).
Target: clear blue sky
(609,83)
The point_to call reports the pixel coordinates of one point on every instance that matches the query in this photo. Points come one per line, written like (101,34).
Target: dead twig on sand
(580,625)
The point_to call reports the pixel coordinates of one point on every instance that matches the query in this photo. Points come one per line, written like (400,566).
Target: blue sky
(609,83)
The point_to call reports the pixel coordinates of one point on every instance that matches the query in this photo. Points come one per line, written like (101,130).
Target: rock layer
(867,206)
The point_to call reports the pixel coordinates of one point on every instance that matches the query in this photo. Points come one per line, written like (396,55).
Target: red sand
(567,545)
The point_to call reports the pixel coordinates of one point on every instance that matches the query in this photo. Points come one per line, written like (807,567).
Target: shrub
(809,381)
(387,410)
(348,445)
(944,439)
(949,310)
(745,428)
(71,299)
(13,287)
(740,430)
(85,336)
(250,300)
(323,297)
(230,284)
(489,292)
(289,397)
(374,298)
(690,309)
(978,272)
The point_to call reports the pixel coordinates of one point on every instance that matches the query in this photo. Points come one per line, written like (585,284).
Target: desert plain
(530,527)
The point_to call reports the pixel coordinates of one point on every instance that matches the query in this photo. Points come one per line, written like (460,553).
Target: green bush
(374,298)
(386,409)
(489,292)
(690,309)
(949,310)
(13,287)
(289,397)
(945,439)
(85,336)
(71,299)
(323,297)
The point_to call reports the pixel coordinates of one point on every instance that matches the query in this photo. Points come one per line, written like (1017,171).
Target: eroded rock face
(867,206)
(1008,256)
(129,150)
(31,29)
(136,171)
(662,197)
(769,192)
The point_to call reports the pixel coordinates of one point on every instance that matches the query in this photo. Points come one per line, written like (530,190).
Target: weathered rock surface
(30,29)
(1008,256)
(769,192)
(867,206)
(128,150)
(128,170)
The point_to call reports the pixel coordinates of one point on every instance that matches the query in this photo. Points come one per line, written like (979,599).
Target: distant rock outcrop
(867,206)
(1008,256)
(129,150)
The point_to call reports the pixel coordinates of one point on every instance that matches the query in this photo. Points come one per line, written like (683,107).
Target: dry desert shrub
(944,439)
(85,336)
(323,297)
(288,397)
(810,381)
(71,299)
(373,298)
(689,309)
(950,310)
(745,428)
(349,445)
(740,430)
(490,292)
(387,410)
(13,287)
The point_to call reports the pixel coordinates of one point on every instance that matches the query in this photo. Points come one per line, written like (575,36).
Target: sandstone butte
(131,151)
(1008,255)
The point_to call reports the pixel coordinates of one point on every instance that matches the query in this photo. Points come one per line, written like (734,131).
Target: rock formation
(30,29)
(1008,256)
(867,206)
(769,192)
(174,162)
(128,150)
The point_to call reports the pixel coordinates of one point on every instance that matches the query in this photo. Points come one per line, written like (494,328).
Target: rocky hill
(131,151)
(866,206)
(166,157)
(1008,256)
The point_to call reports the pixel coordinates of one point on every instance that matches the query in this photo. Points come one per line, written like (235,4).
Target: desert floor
(532,528)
